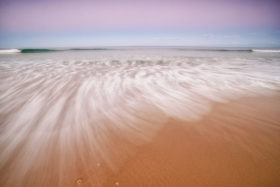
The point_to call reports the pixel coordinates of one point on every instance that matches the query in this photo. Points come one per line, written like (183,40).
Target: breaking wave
(266,50)
(9,51)
(38,50)
(41,50)
(62,115)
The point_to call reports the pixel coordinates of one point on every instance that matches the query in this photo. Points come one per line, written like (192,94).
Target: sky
(90,23)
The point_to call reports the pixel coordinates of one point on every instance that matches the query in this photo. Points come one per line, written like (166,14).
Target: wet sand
(236,144)
(139,118)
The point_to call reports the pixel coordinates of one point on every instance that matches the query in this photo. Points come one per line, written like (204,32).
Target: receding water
(53,105)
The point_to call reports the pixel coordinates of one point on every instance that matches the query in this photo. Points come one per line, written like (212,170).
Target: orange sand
(237,144)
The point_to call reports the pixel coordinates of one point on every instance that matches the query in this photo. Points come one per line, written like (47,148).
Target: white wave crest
(9,51)
(266,50)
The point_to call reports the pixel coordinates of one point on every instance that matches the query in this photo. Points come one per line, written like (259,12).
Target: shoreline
(236,144)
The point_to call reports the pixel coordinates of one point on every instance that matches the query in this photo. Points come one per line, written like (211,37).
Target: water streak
(63,112)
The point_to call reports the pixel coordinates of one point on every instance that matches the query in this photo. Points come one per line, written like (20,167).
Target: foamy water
(54,107)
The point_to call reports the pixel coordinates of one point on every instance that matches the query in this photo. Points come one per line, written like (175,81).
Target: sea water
(59,101)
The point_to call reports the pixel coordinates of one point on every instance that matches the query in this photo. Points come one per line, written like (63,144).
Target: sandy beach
(162,117)
(236,144)
(139,93)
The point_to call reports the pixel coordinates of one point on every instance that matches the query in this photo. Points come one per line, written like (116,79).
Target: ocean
(180,82)
(55,101)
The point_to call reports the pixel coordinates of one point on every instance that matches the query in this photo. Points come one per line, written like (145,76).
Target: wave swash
(63,114)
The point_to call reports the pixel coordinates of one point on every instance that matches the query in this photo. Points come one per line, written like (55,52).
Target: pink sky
(31,23)
(97,15)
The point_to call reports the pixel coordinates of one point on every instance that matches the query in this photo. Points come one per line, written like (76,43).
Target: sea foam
(8,51)
(64,103)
